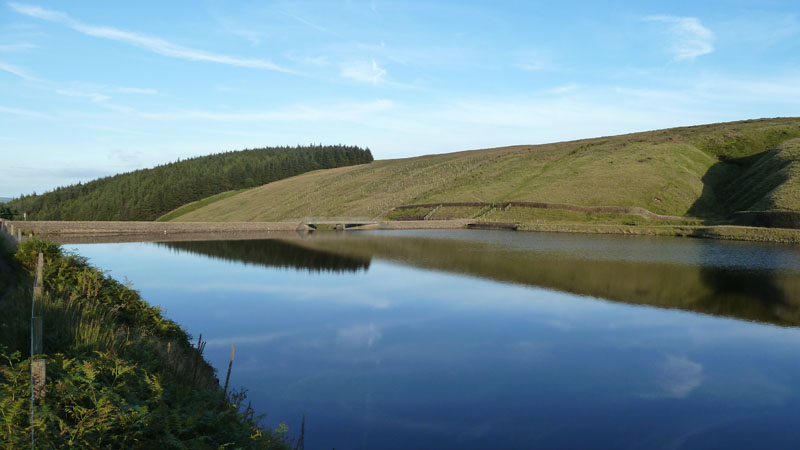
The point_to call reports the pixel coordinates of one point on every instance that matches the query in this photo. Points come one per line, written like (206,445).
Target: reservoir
(490,339)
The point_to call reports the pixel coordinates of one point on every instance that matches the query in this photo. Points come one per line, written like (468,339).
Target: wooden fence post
(39,374)
(228,377)
(38,365)
(40,270)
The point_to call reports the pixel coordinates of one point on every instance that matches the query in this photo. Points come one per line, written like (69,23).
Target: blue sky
(94,88)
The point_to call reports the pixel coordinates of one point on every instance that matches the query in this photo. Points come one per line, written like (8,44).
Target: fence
(14,231)
(38,364)
(38,376)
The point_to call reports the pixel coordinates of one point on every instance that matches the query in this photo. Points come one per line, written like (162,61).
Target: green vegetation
(535,216)
(703,173)
(197,205)
(6,212)
(150,193)
(273,253)
(119,375)
(771,182)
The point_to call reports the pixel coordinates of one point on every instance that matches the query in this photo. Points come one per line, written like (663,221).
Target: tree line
(147,194)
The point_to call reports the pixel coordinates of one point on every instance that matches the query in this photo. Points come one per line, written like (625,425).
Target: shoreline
(118,231)
(109,352)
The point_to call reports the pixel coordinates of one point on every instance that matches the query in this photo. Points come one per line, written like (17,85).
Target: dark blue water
(386,347)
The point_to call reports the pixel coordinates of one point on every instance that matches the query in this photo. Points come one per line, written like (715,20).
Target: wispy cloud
(349,111)
(14,70)
(360,335)
(153,44)
(98,94)
(677,377)
(308,23)
(248,33)
(254,37)
(93,96)
(318,61)
(22,112)
(564,89)
(688,38)
(247,339)
(22,46)
(131,90)
(119,131)
(363,71)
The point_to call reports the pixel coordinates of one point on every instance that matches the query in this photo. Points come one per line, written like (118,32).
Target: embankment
(74,232)
(119,374)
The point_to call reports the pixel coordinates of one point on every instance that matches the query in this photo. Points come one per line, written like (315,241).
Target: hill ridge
(686,172)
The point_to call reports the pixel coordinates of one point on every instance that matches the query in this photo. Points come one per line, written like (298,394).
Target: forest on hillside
(147,194)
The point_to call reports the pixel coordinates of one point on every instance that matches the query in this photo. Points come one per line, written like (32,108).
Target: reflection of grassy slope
(273,253)
(757,296)
(666,172)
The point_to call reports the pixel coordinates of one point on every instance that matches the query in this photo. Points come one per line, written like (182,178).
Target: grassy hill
(150,193)
(701,173)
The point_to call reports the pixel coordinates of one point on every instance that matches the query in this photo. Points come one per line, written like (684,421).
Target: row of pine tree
(147,194)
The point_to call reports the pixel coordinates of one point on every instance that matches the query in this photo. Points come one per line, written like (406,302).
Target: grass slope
(189,207)
(699,171)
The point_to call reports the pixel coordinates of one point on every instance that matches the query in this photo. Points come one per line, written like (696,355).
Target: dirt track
(74,232)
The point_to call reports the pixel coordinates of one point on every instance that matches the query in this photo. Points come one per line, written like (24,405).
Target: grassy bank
(702,173)
(119,375)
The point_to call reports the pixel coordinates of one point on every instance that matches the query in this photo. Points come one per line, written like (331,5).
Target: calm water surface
(493,339)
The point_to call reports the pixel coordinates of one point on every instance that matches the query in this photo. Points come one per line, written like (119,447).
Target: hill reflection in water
(274,253)
(723,279)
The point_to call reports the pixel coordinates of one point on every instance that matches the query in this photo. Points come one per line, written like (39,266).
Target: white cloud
(342,295)
(360,335)
(254,37)
(688,38)
(565,89)
(318,61)
(22,112)
(247,339)
(150,43)
(93,96)
(363,71)
(130,90)
(16,47)
(677,377)
(117,130)
(79,90)
(308,23)
(14,70)
(348,111)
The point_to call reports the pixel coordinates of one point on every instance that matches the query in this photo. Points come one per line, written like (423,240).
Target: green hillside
(150,193)
(702,173)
